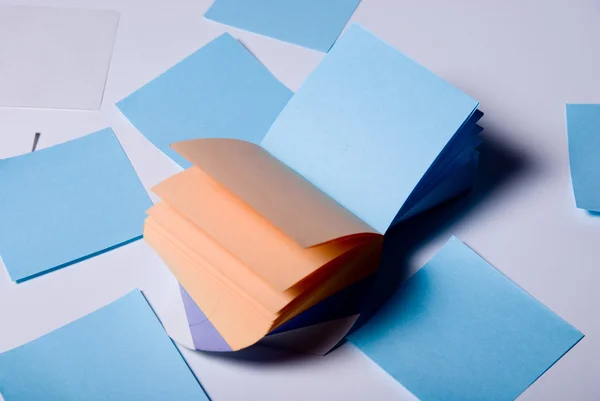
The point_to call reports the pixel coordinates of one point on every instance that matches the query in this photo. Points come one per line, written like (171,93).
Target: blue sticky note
(119,352)
(66,203)
(583,127)
(367,125)
(315,24)
(461,330)
(220,91)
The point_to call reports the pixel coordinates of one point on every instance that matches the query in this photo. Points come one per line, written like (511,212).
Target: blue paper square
(583,127)
(315,24)
(119,352)
(367,125)
(461,330)
(66,203)
(220,91)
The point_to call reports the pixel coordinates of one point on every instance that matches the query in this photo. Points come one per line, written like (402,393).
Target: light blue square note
(118,353)
(66,203)
(461,330)
(583,127)
(315,24)
(367,125)
(220,91)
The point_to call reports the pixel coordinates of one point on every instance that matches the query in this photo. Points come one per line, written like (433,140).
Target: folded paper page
(66,203)
(294,206)
(233,243)
(220,91)
(119,352)
(583,127)
(461,330)
(367,125)
(315,24)
(46,57)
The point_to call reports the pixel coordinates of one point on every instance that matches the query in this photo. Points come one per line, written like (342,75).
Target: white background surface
(522,59)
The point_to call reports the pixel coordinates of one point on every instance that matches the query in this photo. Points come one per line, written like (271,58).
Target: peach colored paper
(281,261)
(252,242)
(275,191)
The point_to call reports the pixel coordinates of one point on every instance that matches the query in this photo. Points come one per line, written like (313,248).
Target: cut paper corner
(313,24)
(440,333)
(88,184)
(583,132)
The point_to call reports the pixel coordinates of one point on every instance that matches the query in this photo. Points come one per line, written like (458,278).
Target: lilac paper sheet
(204,334)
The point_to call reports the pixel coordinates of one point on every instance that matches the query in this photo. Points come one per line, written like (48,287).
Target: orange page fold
(251,241)
(243,229)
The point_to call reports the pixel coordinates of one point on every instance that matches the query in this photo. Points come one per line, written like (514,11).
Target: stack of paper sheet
(256,234)
(254,243)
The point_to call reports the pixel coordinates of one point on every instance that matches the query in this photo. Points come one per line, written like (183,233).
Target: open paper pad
(119,352)
(260,234)
(66,203)
(461,330)
(232,235)
(55,57)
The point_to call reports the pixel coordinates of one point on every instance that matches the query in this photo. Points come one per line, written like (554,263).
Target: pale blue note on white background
(220,91)
(366,126)
(583,126)
(461,330)
(119,352)
(315,24)
(68,202)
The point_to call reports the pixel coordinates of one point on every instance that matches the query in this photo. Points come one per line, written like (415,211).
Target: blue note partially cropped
(367,125)
(66,203)
(315,24)
(461,330)
(583,127)
(119,352)
(220,91)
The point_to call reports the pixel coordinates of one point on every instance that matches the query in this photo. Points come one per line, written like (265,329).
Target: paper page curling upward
(272,189)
